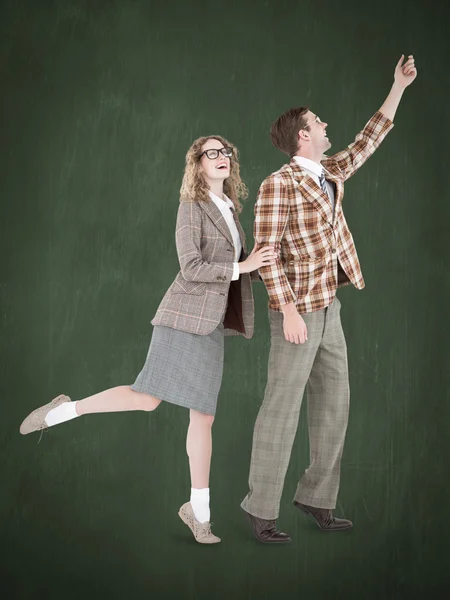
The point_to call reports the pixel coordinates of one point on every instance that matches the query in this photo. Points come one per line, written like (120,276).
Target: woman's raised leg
(61,409)
(116,399)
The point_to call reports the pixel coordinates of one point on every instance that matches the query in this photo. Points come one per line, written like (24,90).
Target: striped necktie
(322,183)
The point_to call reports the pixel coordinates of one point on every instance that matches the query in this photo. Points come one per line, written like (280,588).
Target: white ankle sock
(63,412)
(200,504)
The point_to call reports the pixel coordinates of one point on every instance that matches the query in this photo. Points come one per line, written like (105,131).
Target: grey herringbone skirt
(184,368)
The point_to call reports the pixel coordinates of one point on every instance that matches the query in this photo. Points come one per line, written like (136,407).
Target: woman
(207,300)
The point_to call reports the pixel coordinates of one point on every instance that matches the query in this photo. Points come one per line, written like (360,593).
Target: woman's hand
(259,258)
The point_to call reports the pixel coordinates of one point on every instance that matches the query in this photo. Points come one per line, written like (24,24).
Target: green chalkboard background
(99,103)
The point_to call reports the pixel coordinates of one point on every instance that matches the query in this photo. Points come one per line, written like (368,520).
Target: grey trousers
(320,365)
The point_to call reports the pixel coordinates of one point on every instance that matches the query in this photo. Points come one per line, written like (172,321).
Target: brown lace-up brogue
(202,531)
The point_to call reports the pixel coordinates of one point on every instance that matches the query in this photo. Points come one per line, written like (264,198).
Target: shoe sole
(309,513)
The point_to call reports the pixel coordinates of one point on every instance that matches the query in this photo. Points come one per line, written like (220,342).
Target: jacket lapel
(313,193)
(338,190)
(216,217)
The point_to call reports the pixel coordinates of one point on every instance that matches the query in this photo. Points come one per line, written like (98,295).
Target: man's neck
(310,156)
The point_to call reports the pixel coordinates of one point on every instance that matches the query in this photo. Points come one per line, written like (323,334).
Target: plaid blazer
(316,253)
(197,299)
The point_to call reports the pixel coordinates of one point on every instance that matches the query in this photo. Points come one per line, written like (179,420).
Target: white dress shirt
(225,207)
(315,170)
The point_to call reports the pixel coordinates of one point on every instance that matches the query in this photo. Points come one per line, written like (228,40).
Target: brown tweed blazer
(197,300)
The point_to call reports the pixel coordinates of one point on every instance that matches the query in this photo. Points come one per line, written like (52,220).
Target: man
(299,212)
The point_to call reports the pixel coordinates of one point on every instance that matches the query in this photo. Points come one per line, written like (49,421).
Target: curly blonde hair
(194,187)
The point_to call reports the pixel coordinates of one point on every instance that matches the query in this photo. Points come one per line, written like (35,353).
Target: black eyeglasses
(213,153)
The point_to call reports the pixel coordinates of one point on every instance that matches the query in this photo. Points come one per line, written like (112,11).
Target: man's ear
(303,135)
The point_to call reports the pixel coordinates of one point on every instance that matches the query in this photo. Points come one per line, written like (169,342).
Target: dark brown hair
(284,131)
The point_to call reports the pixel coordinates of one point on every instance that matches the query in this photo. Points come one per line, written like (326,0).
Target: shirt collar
(219,202)
(310,165)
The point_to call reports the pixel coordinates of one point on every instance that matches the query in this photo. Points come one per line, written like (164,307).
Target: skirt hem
(158,396)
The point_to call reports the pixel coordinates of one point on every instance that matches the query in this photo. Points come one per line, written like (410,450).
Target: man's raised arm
(367,141)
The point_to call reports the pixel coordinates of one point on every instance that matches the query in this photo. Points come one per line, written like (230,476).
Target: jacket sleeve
(365,144)
(188,236)
(271,218)
(254,275)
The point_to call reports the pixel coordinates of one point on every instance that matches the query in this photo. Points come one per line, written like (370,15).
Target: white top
(315,170)
(225,207)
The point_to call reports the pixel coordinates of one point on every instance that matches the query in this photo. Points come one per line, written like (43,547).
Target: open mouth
(222,166)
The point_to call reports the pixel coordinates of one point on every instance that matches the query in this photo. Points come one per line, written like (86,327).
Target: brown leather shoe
(324,518)
(266,531)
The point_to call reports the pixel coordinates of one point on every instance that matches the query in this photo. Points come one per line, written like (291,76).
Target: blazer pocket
(193,288)
(305,258)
